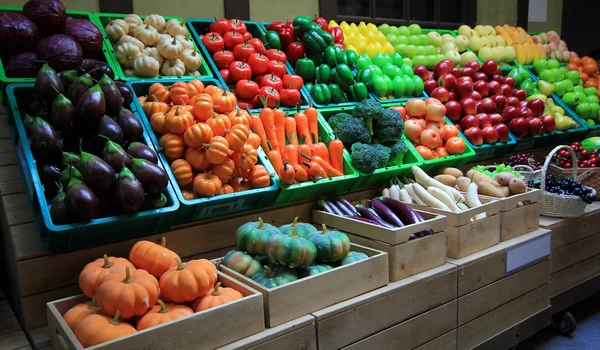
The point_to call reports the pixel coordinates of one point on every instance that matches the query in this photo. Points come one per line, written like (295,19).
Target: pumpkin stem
(180,265)
(163,307)
(270,272)
(128,279)
(261,224)
(94,304)
(325,229)
(115,320)
(295,223)
(107,263)
(216,290)
(163,242)
(294,234)
(174,41)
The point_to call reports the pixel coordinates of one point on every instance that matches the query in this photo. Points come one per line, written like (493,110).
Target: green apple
(553,64)
(384,28)
(466,57)
(420,60)
(540,65)
(440,56)
(563,70)
(402,39)
(392,39)
(399,86)
(407,62)
(401,49)
(431,61)
(431,50)
(407,70)
(453,56)
(545,87)
(382,59)
(590,122)
(584,110)
(397,59)
(580,82)
(411,51)
(570,99)
(573,76)
(404,31)
(414,40)
(568,85)
(421,50)
(435,38)
(423,39)
(580,95)
(449,46)
(593,99)
(394,30)
(578,88)
(595,109)
(415,29)
(590,91)
(462,42)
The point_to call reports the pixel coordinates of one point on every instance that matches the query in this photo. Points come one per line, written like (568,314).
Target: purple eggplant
(131,126)
(153,178)
(139,150)
(126,93)
(67,78)
(69,158)
(91,106)
(115,156)
(360,218)
(385,213)
(129,192)
(403,211)
(345,203)
(79,87)
(81,202)
(155,201)
(328,207)
(69,173)
(47,85)
(338,203)
(45,141)
(96,172)
(110,129)
(112,95)
(372,215)
(62,114)
(58,209)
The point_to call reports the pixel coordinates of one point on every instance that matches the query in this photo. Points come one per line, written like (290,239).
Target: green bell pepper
(358,92)
(379,86)
(364,76)
(314,42)
(305,68)
(272,40)
(337,95)
(314,26)
(301,24)
(308,86)
(321,94)
(342,75)
(351,58)
(323,74)
(340,56)
(326,36)
(329,56)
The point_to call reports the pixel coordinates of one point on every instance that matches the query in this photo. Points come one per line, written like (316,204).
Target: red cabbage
(17,33)
(48,15)
(86,34)
(61,52)
(22,65)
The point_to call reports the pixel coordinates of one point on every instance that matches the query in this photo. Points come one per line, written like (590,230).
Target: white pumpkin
(184,41)
(129,39)
(164,37)
(173,68)
(133,21)
(129,72)
(174,27)
(127,53)
(191,59)
(146,66)
(156,21)
(153,52)
(115,29)
(170,49)
(147,34)
(193,73)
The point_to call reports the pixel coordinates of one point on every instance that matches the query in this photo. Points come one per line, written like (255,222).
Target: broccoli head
(368,158)
(351,131)
(397,151)
(389,127)
(338,118)
(369,110)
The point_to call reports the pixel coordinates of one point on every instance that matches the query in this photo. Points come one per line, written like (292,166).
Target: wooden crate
(350,321)
(519,214)
(301,297)
(211,328)
(444,342)
(569,230)
(299,334)
(575,274)
(466,237)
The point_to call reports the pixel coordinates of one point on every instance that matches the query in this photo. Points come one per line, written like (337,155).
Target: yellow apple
(435,39)
(490,30)
(466,57)
(485,41)
(453,56)
(475,43)
(466,31)
(447,38)
(449,47)
(462,42)
(500,40)
(481,31)
(486,53)
(509,53)
(492,40)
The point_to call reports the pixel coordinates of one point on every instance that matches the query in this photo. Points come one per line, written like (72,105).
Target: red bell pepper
(286,36)
(322,22)
(276,26)
(294,52)
(341,46)
(337,34)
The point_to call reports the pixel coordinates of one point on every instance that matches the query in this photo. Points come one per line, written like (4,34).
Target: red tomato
(270,95)
(213,41)
(238,25)
(271,80)
(295,51)
(425,152)
(455,145)
(289,97)
(223,59)
(239,70)
(225,74)
(231,39)
(292,81)
(259,64)
(243,51)
(243,104)
(247,36)
(221,26)
(258,79)
(246,89)
(401,110)
(277,68)
(441,152)
(258,45)
(277,55)
(256,102)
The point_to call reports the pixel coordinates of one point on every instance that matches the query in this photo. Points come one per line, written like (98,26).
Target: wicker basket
(528,173)
(590,177)
(556,205)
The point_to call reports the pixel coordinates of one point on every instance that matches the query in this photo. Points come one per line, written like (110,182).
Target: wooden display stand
(519,214)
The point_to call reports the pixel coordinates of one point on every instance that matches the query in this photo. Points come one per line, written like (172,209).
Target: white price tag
(526,254)
(524,145)
(218,209)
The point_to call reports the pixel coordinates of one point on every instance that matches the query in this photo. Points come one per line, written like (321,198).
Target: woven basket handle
(549,159)
(526,168)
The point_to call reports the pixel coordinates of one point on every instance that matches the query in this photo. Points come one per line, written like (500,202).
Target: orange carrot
(331,171)
(304,153)
(288,174)
(275,158)
(268,119)
(290,154)
(300,174)
(313,124)
(303,130)
(323,152)
(279,119)
(315,170)
(336,152)
(290,130)
(258,128)
(314,150)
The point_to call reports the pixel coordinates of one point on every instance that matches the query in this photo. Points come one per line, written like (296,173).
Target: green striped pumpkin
(252,237)
(292,251)
(274,276)
(302,228)
(242,263)
(354,257)
(315,269)
(331,245)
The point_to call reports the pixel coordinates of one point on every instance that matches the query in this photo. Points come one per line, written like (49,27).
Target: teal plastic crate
(102,19)
(57,238)
(207,208)
(4,80)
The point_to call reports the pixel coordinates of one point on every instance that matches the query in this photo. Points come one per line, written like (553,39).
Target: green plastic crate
(57,238)
(217,206)
(4,80)
(454,33)
(102,19)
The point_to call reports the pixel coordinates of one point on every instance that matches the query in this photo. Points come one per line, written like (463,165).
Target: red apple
(525,112)
(490,134)
(473,65)
(456,72)
(481,87)
(479,106)
(476,95)
(484,120)
(452,96)
(523,103)
(500,102)
(447,80)
(436,112)
(489,67)
(474,136)
(509,81)
(537,107)
(488,105)
(430,85)
(510,113)
(415,108)
(430,139)
(497,77)
(480,76)
(520,94)
(464,87)
(506,90)
(512,101)
(459,127)
(496,118)
(498,71)
(495,88)
(519,127)
(443,66)
(468,72)
(535,126)
(549,123)
(468,106)
(502,130)
(421,71)
(441,93)
(469,121)
(453,110)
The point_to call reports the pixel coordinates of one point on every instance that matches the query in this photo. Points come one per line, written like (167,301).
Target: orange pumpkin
(253,140)
(207,185)
(197,135)
(151,107)
(94,271)
(178,120)
(219,123)
(226,189)
(188,281)
(259,177)
(239,116)
(188,195)
(237,136)
(157,121)
(159,91)
(142,100)
(240,184)
(132,293)
(80,311)
(195,87)
(197,159)
(180,93)
(212,90)
(225,102)
(203,107)
(172,145)
(215,297)
(217,150)
(224,170)
(245,158)
(182,171)
(162,313)
(98,329)
(153,257)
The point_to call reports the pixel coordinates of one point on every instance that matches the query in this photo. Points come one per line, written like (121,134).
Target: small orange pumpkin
(203,107)
(94,271)
(240,184)
(142,99)
(246,157)
(197,135)
(188,195)
(212,90)
(182,170)
(215,297)
(225,102)
(207,185)
(195,87)
(226,189)
(151,107)
(172,145)
(98,329)
(132,293)
(178,120)
(159,91)
(217,150)
(162,313)
(224,170)
(219,123)
(237,136)
(188,281)
(239,116)
(157,121)
(152,257)
(253,140)
(180,93)
(80,311)
(259,176)
(197,158)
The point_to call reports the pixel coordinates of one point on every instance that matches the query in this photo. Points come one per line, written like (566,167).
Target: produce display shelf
(491,151)
(5,80)
(199,26)
(422,96)
(379,176)
(66,237)
(454,33)
(102,20)
(220,205)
